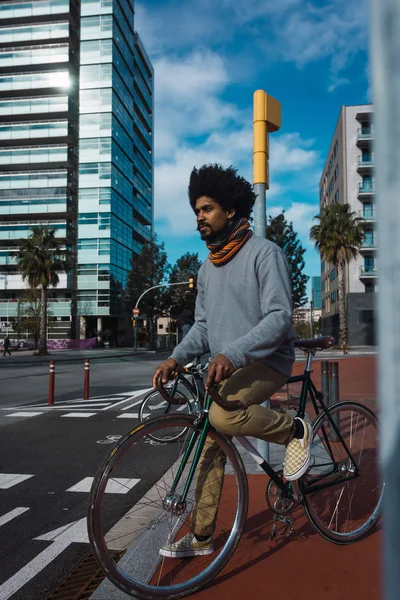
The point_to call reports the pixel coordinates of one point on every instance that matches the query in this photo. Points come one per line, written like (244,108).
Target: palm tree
(338,237)
(39,258)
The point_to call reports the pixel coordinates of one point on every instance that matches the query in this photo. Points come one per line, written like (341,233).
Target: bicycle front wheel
(348,503)
(154,405)
(130,518)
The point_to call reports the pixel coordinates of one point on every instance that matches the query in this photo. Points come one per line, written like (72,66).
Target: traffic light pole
(190,283)
(266,118)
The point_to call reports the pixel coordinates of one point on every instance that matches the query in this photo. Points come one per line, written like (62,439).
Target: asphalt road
(44,454)
(25,380)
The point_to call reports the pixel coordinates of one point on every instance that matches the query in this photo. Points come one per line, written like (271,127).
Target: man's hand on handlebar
(167,370)
(220,368)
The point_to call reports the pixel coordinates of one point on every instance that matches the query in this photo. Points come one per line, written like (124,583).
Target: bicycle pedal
(286,529)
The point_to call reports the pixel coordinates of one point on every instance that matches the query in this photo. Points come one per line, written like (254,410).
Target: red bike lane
(303,565)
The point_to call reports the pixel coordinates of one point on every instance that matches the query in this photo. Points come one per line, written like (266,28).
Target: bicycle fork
(176,502)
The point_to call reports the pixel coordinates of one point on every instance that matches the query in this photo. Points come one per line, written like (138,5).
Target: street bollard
(52,375)
(325,380)
(334,395)
(86,382)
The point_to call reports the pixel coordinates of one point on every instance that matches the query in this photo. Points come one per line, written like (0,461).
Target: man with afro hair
(243,318)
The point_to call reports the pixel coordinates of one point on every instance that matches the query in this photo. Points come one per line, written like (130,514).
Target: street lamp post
(190,283)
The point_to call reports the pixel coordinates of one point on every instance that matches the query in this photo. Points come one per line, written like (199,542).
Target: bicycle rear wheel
(350,507)
(154,405)
(136,521)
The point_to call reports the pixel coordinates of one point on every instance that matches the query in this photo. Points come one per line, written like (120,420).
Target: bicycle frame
(289,490)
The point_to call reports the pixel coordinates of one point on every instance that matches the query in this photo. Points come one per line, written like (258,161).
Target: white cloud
(296,31)
(172,209)
(187,99)
(290,153)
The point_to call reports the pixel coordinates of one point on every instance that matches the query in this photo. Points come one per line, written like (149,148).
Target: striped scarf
(222,251)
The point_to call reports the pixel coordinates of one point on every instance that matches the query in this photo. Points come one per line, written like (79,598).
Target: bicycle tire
(325,508)
(103,540)
(163,409)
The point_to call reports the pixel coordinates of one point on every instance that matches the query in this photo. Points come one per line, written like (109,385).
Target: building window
(369,264)
(333,297)
(335,150)
(366,156)
(336,172)
(365,127)
(29,33)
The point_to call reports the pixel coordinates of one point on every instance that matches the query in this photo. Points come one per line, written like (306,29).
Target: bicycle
(341,492)
(155,404)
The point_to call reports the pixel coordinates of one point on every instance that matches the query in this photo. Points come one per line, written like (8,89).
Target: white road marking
(8,480)
(61,538)
(80,414)
(12,514)
(130,397)
(132,415)
(135,395)
(25,414)
(118,485)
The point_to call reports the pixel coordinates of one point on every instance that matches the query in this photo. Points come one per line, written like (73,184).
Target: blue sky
(209,57)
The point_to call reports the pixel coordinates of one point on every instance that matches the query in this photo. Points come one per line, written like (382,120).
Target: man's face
(212,219)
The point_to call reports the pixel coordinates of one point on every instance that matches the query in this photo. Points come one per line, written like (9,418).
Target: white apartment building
(348,178)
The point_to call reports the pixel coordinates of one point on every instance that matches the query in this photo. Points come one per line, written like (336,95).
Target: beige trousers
(253,385)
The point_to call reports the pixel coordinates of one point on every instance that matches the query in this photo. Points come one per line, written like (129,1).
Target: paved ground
(305,566)
(46,454)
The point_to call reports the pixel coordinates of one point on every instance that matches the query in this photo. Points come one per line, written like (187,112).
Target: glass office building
(76,120)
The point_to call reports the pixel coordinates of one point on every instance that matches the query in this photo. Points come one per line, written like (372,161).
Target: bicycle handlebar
(215,397)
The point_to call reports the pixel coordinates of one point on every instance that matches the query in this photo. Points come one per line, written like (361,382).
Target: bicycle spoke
(348,511)
(140,521)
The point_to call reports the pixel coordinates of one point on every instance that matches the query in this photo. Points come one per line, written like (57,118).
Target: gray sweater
(244,310)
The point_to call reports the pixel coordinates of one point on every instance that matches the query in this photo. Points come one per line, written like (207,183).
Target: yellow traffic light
(191,282)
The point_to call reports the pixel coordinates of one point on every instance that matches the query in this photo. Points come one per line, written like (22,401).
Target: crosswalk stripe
(12,514)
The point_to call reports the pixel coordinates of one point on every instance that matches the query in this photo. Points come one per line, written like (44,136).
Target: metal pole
(260,211)
(135,337)
(325,380)
(145,292)
(334,395)
(385,27)
(86,380)
(260,229)
(51,382)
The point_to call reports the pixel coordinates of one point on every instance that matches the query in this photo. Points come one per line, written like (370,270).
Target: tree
(150,268)
(338,237)
(186,266)
(28,318)
(39,260)
(283,235)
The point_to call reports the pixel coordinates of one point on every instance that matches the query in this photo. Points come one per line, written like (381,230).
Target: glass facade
(115,153)
(39,46)
(76,146)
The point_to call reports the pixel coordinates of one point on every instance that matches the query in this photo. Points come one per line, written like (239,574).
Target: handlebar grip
(226,404)
(165,395)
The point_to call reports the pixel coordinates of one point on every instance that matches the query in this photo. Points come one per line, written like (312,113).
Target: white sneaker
(298,454)
(187,546)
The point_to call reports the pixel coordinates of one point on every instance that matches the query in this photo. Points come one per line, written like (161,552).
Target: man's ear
(231,213)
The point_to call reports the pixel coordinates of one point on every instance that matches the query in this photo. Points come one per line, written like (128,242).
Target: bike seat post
(310,356)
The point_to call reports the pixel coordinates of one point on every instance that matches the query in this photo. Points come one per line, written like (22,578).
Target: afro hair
(224,186)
